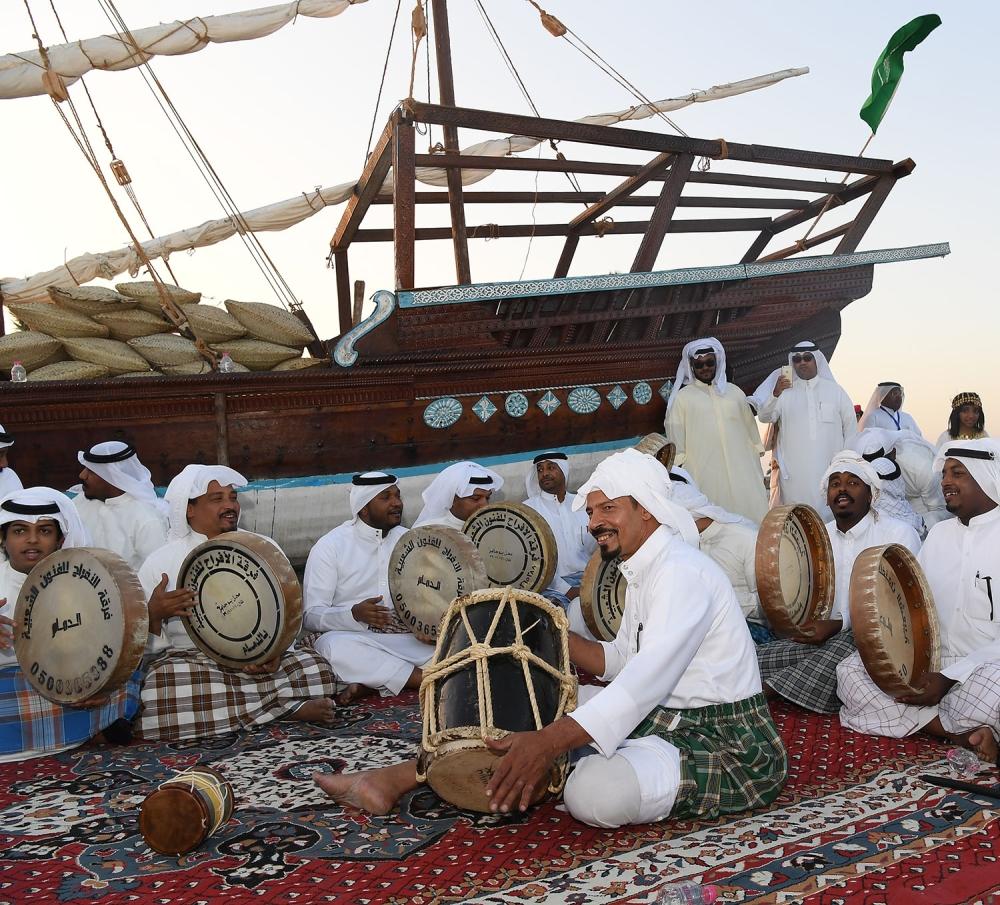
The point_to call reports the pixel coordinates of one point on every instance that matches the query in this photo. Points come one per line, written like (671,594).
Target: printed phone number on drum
(77,684)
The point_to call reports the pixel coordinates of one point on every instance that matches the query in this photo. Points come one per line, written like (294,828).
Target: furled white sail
(283,214)
(21,73)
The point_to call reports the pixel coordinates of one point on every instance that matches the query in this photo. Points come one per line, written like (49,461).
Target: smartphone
(786,372)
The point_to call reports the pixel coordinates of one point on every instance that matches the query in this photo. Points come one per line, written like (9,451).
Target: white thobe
(889,420)
(848,545)
(10,586)
(574,543)
(956,559)
(125,525)
(9,481)
(733,547)
(445,519)
(718,442)
(682,643)
(346,566)
(815,419)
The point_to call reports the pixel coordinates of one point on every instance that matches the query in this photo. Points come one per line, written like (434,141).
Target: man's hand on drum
(370,612)
(266,668)
(525,764)
(933,687)
(6,630)
(164,604)
(820,630)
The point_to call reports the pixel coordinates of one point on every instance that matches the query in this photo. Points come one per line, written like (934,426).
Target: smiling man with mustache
(346,594)
(805,672)
(961,559)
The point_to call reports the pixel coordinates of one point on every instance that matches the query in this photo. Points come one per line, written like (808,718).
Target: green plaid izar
(732,758)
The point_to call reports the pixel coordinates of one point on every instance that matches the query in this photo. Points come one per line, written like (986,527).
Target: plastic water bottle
(17,373)
(686,894)
(225,364)
(963,762)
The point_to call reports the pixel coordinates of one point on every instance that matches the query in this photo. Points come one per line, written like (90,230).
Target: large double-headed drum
(501,665)
(795,570)
(248,600)
(80,624)
(428,568)
(516,545)
(661,449)
(602,596)
(894,619)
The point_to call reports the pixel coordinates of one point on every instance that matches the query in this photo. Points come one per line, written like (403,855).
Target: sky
(292,111)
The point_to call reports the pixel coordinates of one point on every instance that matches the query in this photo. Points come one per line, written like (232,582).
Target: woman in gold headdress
(966,421)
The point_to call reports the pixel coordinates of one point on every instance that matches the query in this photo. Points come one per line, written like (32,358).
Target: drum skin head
(174,820)
(428,568)
(894,619)
(248,600)
(660,448)
(516,544)
(80,624)
(795,570)
(602,597)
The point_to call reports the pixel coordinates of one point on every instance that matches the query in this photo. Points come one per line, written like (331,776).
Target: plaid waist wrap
(732,758)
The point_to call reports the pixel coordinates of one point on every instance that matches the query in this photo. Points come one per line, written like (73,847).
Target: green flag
(889,68)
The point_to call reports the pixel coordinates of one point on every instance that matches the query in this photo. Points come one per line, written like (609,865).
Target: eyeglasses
(798,359)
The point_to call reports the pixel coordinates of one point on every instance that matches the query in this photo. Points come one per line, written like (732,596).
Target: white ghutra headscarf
(118,463)
(459,480)
(366,486)
(36,504)
(531,487)
(981,459)
(696,349)
(190,484)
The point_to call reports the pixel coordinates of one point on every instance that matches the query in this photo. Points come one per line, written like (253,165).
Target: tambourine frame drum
(602,596)
(795,570)
(80,624)
(179,816)
(469,693)
(248,600)
(442,562)
(894,619)
(516,544)
(660,448)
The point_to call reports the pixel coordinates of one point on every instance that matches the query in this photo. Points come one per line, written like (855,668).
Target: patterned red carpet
(854,824)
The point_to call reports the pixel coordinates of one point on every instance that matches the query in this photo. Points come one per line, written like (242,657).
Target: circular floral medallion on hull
(442,413)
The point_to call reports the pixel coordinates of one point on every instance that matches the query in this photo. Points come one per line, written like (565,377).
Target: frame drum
(428,568)
(501,665)
(184,811)
(248,601)
(602,597)
(80,624)
(516,544)
(795,571)
(661,449)
(894,619)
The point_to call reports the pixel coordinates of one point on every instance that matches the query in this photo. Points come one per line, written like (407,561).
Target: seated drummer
(682,729)
(457,492)
(34,523)
(961,559)
(546,485)
(805,671)
(186,694)
(730,540)
(346,592)
(118,505)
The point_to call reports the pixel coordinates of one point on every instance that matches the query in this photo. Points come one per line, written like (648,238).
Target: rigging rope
(381,84)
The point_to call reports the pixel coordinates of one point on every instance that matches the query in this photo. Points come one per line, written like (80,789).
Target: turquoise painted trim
(480,292)
(344,353)
(417,470)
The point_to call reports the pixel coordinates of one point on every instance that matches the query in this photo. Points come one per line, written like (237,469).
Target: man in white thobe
(805,671)
(118,503)
(815,418)
(961,559)
(878,446)
(456,493)
(681,729)
(346,593)
(9,481)
(885,410)
(711,424)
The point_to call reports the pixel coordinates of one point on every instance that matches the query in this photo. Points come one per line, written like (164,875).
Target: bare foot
(351,694)
(984,745)
(316,710)
(373,791)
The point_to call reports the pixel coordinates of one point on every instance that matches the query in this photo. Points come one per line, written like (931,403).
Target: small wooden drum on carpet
(894,619)
(428,568)
(80,624)
(248,601)
(184,811)
(501,665)
(602,596)
(659,447)
(516,544)
(795,571)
